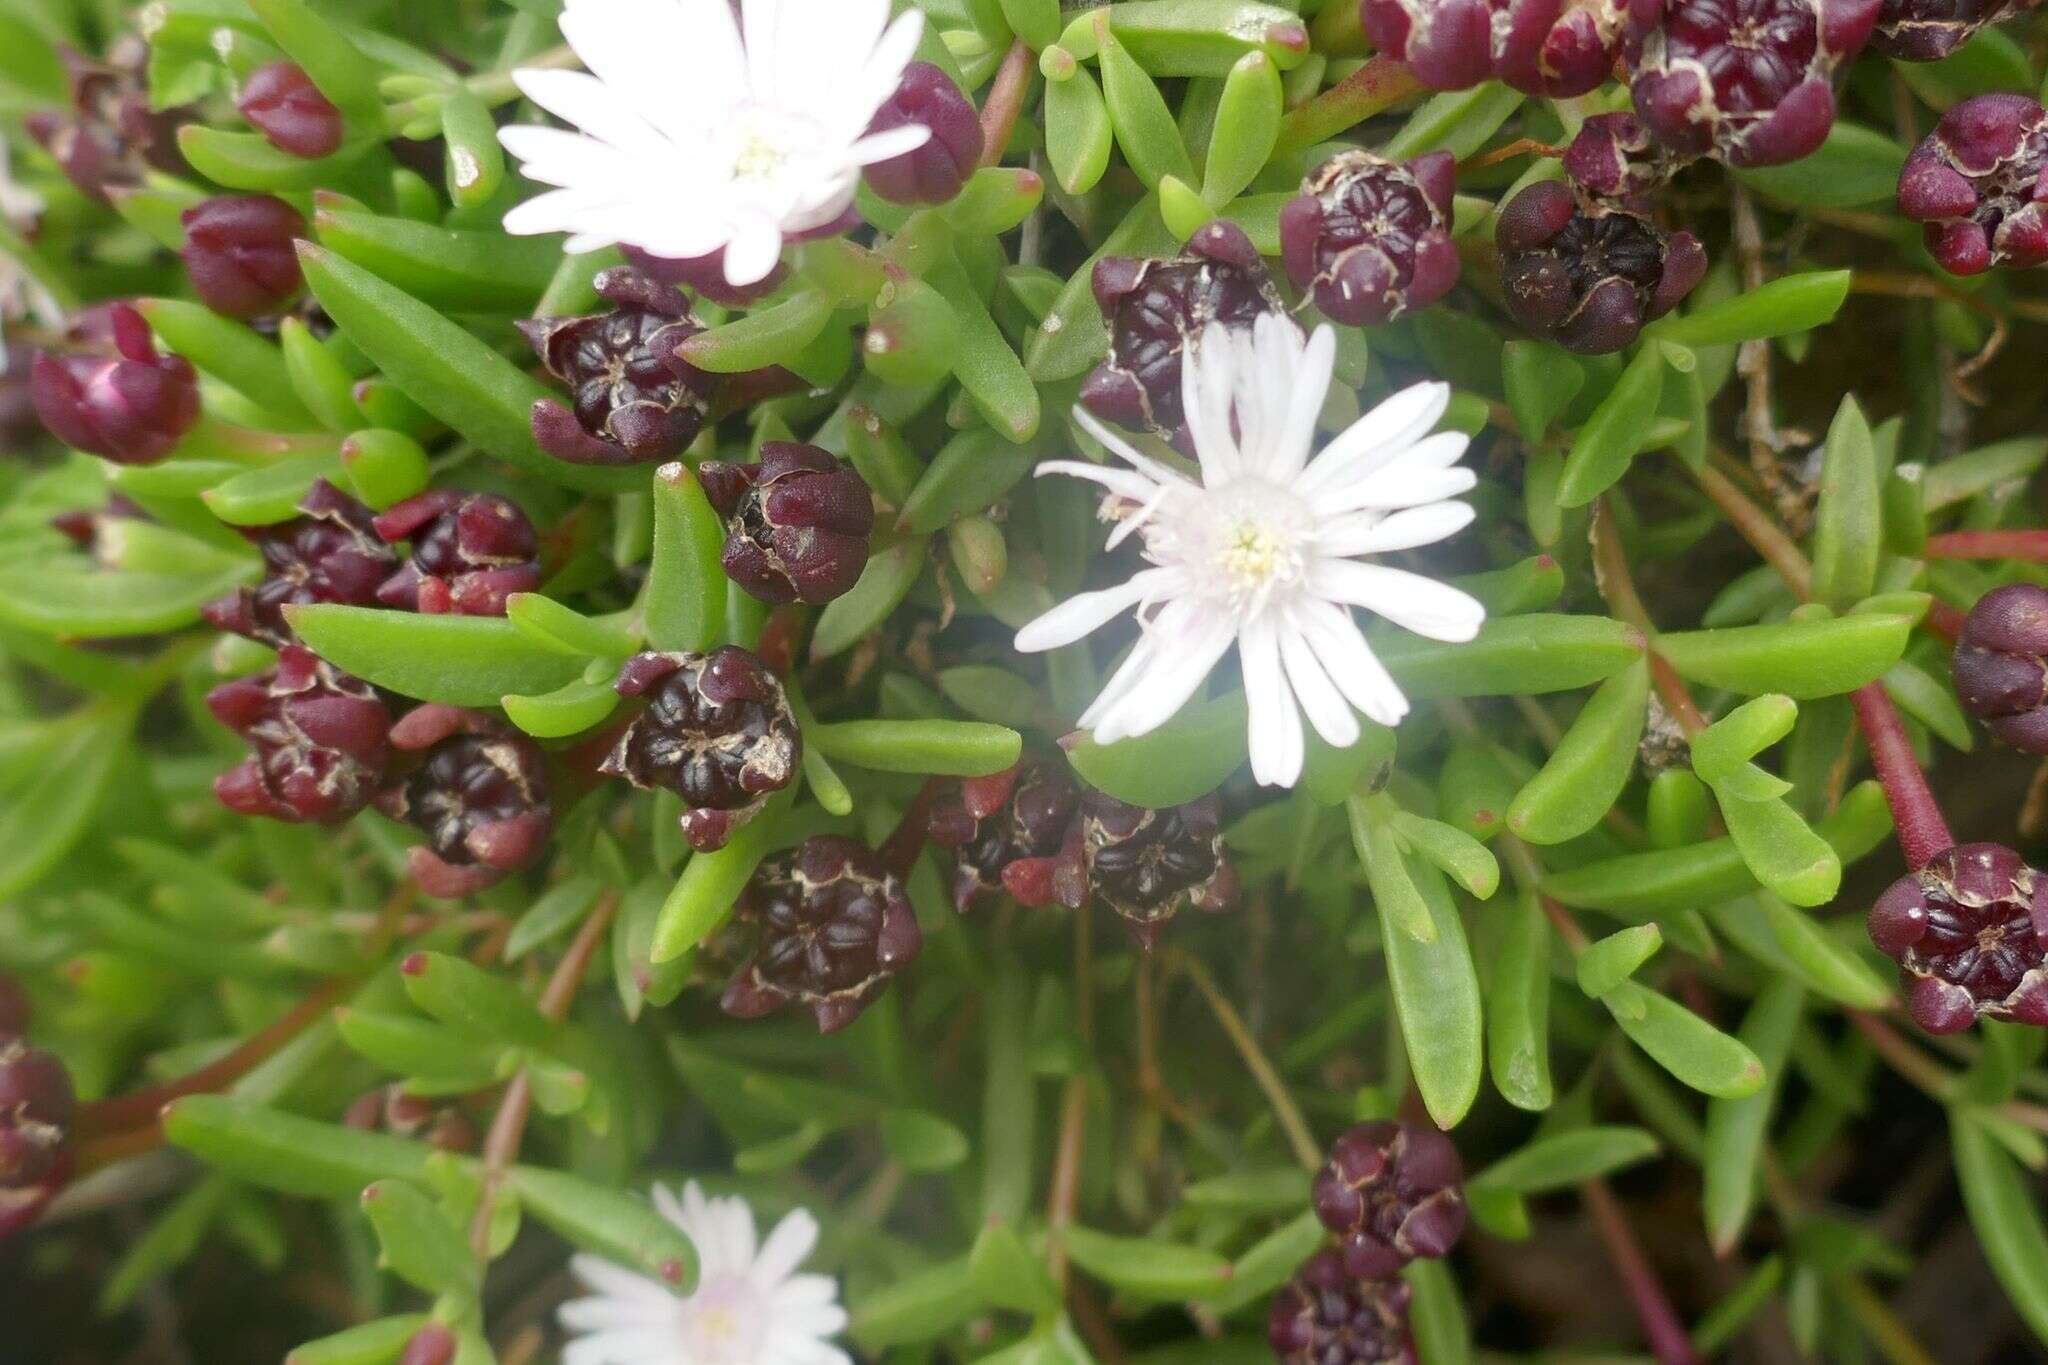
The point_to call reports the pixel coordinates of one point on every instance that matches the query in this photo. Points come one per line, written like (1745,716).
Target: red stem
(2031,545)
(1945,619)
(899,851)
(1005,102)
(1662,1329)
(1916,816)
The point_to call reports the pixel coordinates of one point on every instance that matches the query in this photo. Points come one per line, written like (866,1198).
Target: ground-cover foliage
(1181,681)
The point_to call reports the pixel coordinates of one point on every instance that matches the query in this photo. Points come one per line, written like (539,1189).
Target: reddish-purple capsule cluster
(1928,30)
(1015,834)
(632,398)
(1369,239)
(330,553)
(320,738)
(479,793)
(1390,1192)
(111,393)
(797,523)
(834,923)
(240,255)
(2000,668)
(1980,184)
(933,173)
(1615,158)
(1589,272)
(110,136)
(1156,309)
(718,732)
(37,1107)
(1966,931)
(1149,865)
(1327,1316)
(1554,48)
(280,102)
(470,551)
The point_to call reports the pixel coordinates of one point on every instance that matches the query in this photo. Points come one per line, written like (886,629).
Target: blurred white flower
(1262,550)
(750,1306)
(696,133)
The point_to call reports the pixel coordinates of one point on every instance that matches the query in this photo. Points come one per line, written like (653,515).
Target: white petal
(1379,435)
(1420,604)
(889,142)
(579,98)
(1126,483)
(615,1281)
(1124,450)
(1127,675)
(1388,489)
(606,1314)
(1177,670)
(1306,383)
(881,69)
(1274,726)
(1207,386)
(1086,612)
(1325,705)
(752,252)
(1350,662)
(1429,455)
(786,1248)
(631,46)
(806,1291)
(736,1230)
(1372,533)
(624,1346)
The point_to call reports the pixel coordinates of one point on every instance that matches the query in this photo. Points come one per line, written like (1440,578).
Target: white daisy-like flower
(750,1306)
(1264,549)
(698,133)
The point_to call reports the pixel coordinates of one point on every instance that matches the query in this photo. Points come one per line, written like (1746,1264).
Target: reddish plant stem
(777,644)
(1916,816)
(1375,87)
(899,851)
(1945,619)
(1663,1331)
(1618,589)
(1005,102)
(2030,545)
(1755,526)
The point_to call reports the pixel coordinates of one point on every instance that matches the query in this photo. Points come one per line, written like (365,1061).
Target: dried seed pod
(1553,48)
(797,523)
(1588,273)
(1614,157)
(2000,667)
(111,136)
(1750,82)
(330,552)
(1327,1316)
(1024,844)
(1156,309)
(1966,931)
(1928,30)
(111,393)
(1147,865)
(1369,238)
(1979,182)
(634,399)
(240,253)
(934,172)
(321,740)
(1391,1192)
(37,1107)
(718,731)
(835,925)
(470,551)
(280,102)
(480,794)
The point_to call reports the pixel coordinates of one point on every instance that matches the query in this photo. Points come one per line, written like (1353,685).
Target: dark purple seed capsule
(280,102)
(479,793)
(111,393)
(1928,30)
(632,398)
(470,551)
(330,553)
(1149,865)
(1391,1192)
(1980,184)
(1966,931)
(1326,1315)
(1554,48)
(1614,157)
(797,523)
(933,173)
(1750,82)
(1027,847)
(36,1110)
(1588,273)
(1369,238)
(321,740)
(2000,667)
(239,253)
(718,732)
(834,926)
(1156,309)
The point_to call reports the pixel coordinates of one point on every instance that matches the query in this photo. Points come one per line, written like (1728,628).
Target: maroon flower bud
(1588,273)
(1614,157)
(280,102)
(1027,846)
(1966,931)
(797,523)
(320,739)
(239,253)
(1747,81)
(1147,865)
(15,1011)
(717,731)
(1156,309)
(111,393)
(934,172)
(479,794)
(1555,48)
(1371,238)
(470,551)
(111,135)
(36,1109)
(433,1344)
(835,925)
(1327,1316)
(1980,183)
(2000,667)
(328,553)
(1928,30)
(634,399)
(1391,1192)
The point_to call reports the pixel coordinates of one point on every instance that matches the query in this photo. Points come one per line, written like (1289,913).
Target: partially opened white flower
(1264,550)
(750,1307)
(697,133)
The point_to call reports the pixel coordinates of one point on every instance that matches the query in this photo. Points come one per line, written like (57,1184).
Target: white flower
(20,294)
(749,1307)
(693,138)
(1263,549)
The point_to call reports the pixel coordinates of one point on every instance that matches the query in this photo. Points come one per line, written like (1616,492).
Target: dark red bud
(280,101)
